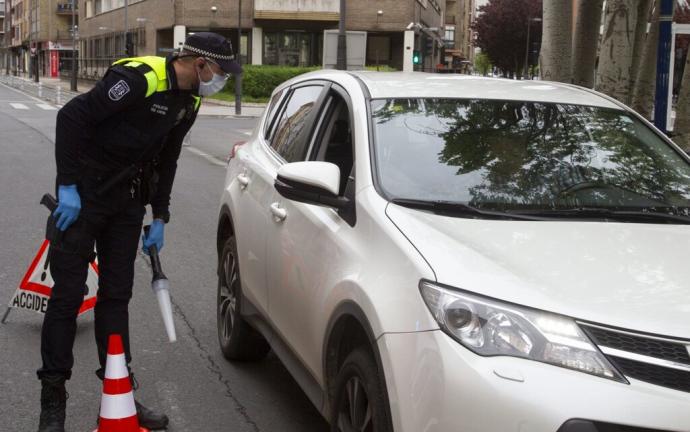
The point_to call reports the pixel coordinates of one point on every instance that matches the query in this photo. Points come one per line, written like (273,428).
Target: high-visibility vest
(156,77)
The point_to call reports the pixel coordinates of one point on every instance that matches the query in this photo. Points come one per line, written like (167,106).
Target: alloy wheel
(355,413)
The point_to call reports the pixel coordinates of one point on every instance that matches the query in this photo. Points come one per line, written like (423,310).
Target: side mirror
(315,183)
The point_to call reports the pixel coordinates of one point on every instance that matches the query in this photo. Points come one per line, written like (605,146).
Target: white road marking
(46,107)
(214,160)
(19,106)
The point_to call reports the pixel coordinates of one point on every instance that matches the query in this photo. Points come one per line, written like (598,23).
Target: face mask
(208,88)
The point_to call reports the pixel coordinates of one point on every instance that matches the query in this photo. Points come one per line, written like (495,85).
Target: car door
(254,188)
(307,242)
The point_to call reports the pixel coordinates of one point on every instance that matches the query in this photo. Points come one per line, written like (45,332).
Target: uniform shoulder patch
(118,91)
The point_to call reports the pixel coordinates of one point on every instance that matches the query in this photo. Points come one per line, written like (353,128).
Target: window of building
(449,37)
(378,50)
(292,48)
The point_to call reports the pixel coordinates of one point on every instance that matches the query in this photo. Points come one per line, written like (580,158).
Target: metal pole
(35,55)
(663,64)
(238,56)
(127,53)
(529,26)
(341,62)
(73,80)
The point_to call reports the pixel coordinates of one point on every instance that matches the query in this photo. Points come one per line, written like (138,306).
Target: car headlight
(492,328)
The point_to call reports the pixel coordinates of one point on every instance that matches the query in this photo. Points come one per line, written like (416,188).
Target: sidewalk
(57,91)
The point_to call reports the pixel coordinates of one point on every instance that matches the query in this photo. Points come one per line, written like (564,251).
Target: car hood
(630,275)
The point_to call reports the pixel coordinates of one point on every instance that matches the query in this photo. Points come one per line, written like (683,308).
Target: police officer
(116,150)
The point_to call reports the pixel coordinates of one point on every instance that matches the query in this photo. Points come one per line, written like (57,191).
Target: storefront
(59,58)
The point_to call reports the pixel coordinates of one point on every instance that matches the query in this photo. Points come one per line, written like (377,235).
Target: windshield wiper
(618,215)
(461,209)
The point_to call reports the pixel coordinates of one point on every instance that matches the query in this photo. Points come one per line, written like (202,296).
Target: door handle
(244,180)
(279,213)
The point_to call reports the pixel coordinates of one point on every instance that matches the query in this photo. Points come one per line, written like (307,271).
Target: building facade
(459,38)
(38,36)
(275,32)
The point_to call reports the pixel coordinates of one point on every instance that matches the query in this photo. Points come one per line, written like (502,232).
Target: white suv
(454,253)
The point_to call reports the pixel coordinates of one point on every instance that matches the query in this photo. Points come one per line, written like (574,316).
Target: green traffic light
(416,58)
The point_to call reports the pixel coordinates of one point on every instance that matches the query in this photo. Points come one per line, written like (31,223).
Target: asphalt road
(189,380)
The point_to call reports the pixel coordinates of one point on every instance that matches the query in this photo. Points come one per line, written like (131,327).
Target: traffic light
(416,57)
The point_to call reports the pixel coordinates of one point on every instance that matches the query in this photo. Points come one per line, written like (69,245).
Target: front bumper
(435,384)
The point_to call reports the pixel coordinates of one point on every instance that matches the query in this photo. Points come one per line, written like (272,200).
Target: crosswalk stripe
(19,106)
(46,107)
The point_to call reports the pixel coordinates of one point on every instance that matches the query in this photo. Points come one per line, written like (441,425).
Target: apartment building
(459,38)
(275,32)
(3,32)
(40,31)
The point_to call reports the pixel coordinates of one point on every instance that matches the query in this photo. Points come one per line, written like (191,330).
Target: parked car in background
(456,253)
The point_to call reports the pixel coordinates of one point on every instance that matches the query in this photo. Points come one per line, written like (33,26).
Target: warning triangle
(37,285)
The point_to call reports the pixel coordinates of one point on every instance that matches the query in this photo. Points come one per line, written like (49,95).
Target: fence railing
(55,93)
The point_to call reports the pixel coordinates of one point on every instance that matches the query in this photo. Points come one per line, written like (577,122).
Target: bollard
(58,98)
(40,90)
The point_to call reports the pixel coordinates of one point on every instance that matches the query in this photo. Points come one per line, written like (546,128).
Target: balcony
(64,9)
(308,10)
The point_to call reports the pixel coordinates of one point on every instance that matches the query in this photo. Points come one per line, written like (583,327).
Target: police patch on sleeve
(118,91)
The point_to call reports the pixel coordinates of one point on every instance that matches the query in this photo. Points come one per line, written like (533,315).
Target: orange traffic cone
(118,412)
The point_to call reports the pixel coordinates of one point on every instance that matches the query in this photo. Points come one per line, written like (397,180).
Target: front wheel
(360,403)
(237,339)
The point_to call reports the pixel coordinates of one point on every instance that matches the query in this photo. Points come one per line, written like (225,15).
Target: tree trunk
(645,84)
(586,41)
(615,59)
(643,16)
(555,59)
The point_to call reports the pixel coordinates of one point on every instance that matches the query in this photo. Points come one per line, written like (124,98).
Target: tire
(358,385)
(237,339)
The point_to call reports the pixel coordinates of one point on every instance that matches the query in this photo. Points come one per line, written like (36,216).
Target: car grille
(656,360)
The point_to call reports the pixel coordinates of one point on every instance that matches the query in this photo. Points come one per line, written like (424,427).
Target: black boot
(147,418)
(53,404)
(150,419)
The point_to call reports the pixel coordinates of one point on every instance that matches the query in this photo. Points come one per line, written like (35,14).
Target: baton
(161,287)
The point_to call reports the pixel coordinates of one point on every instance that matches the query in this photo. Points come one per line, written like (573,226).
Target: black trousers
(113,223)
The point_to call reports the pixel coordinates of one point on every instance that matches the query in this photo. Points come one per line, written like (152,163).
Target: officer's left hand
(155,236)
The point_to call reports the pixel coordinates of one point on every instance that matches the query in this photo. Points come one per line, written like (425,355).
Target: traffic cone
(118,412)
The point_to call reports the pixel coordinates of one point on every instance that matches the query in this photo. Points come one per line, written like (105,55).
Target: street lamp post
(73,80)
(529,26)
(127,44)
(341,60)
(238,55)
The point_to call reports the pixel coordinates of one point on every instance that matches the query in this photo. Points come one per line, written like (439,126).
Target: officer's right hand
(69,205)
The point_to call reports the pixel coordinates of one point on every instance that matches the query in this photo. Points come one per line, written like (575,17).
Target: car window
(292,121)
(515,155)
(334,140)
(272,109)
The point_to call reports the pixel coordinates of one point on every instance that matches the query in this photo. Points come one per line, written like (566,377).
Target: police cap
(215,47)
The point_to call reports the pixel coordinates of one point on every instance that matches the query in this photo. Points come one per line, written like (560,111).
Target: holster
(77,239)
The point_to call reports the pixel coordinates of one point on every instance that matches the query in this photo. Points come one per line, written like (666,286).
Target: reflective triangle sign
(36,286)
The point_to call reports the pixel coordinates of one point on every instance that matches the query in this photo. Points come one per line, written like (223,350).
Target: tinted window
(503,155)
(292,121)
(272,108)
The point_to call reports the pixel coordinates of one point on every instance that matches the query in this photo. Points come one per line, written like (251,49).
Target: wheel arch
(348,329)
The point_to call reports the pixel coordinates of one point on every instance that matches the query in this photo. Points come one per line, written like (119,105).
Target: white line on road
(19,106)
(214,160)
(46,107)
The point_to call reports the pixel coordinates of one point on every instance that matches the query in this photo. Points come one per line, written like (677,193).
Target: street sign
(356,49)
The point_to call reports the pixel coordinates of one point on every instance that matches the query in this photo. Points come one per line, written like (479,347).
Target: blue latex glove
(69,206)
(155,236)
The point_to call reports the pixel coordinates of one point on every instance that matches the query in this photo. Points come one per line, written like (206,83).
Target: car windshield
(524,156)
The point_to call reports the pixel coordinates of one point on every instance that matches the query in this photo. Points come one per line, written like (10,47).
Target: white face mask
(208,88)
